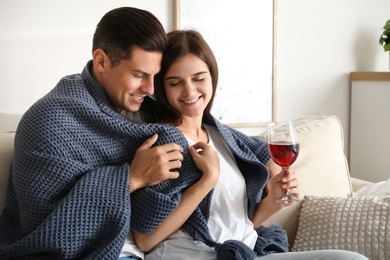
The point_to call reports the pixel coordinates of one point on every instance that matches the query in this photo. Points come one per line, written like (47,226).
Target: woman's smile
(191,101)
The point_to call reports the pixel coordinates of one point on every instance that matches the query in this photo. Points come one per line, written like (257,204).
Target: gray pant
(184,248)
(305,255)
(315,255)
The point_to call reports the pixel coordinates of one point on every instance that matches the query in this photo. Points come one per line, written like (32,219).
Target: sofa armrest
(357,184)
(6,153)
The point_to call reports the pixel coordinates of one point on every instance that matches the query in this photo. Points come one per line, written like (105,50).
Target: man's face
(128,83)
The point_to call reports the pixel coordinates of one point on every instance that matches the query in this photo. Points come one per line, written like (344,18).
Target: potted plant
(384,40)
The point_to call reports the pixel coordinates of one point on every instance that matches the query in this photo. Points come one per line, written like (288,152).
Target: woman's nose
(188,88)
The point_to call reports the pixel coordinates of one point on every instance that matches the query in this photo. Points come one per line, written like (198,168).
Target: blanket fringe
(234,250)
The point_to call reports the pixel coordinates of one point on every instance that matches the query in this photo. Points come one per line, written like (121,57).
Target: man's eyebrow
(140,71)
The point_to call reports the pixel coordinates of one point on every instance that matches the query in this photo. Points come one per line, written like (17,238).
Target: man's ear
(101,61)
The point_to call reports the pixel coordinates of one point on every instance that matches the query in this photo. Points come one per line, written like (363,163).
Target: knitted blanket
(68,194)
(251,156)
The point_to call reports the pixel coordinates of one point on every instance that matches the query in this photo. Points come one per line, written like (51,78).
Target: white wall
(44,40)
(318,44)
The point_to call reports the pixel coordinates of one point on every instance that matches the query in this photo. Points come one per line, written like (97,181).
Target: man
(77,158)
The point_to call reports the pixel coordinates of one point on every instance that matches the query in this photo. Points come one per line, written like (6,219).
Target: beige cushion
(359,224)
(6,152)
(321,166)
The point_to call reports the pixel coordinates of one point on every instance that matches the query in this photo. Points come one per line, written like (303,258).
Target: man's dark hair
(122,29)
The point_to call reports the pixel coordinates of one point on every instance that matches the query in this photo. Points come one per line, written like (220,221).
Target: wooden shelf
(370,76)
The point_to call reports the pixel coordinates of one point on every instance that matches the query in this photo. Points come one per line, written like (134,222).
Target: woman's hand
(276,188)
(278,184)
(207,161)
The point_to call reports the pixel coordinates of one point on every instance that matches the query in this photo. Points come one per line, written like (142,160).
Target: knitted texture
(68,194)
(359,224)
(234,250)
(251,156)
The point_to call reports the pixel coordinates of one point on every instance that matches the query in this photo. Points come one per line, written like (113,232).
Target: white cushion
(381,188)
(359,224)
(6,153)
(358,184)
(321,167)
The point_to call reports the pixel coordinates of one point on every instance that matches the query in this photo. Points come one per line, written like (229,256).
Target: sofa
(331,213)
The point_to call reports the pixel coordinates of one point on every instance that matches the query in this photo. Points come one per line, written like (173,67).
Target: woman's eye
(198,79)
(173,83)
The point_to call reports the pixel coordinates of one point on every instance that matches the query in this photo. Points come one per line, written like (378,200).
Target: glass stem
(288,194)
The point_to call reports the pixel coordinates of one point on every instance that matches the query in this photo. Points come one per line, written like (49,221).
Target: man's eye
(138,75)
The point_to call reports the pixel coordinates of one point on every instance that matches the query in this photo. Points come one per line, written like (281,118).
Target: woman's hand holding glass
(283,147)
(279,183)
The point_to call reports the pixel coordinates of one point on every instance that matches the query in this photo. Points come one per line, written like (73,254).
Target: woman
(185,95)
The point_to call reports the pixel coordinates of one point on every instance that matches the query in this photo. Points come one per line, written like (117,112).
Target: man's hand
(151,166)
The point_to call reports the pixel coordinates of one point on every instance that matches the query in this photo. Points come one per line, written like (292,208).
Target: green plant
(384,40)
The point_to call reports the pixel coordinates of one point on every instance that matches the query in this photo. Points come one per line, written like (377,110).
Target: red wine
(283,154)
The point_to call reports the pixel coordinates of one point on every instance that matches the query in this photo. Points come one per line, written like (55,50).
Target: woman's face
(188,86)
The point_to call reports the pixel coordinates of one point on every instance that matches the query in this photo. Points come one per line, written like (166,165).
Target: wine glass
(283,148)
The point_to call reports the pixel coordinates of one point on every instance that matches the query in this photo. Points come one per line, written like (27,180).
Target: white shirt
(228,215)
